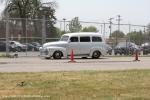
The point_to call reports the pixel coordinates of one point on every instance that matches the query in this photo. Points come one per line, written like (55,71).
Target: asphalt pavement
(37,64)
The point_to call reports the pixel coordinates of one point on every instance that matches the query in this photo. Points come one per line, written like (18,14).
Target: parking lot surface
(37,64)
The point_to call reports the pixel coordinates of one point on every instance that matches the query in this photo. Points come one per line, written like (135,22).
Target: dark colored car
(17,46)
(12,46)
(126,48)
(146,48)
(2,46)
(109,49)
(36,45)
(31,47)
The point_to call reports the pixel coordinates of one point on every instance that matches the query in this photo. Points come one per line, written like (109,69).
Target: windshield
(64,38)
(17,43)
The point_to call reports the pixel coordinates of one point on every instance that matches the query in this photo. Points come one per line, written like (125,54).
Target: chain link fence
(32,33)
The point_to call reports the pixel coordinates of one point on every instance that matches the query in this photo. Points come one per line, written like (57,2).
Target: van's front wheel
(57,55)
(96,54)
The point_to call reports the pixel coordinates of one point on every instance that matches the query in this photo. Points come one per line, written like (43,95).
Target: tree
(30,9)
(89,29)
(148,28)
(74,25)
(148,32)
(117,34)
(136,37)
(2,29)
(19,9)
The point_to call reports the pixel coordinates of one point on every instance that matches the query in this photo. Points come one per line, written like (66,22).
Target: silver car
(83,45)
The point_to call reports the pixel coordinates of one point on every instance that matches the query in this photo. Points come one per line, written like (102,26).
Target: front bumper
(44,52)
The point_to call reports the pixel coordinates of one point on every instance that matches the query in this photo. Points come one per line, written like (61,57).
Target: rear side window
(96,39)
(74,39)
(85,39)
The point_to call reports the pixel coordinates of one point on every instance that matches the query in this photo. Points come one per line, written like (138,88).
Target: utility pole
(104,30)
(129,40)
(119,19)
(101,29)
(144,29)
(7,33)
(129,31)
(110,27)
(43,30)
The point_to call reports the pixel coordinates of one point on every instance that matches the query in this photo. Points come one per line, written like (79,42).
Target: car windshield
(64,38)
(17,43)
(35,44)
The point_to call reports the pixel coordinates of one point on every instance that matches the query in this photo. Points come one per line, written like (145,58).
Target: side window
(85,39)
(96,39)
(74,39)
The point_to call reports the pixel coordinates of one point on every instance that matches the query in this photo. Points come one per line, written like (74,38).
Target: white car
(83,44)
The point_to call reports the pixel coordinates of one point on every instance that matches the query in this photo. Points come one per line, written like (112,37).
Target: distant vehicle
(2,46)
(83,44)
(31,47)
(126,48)
(17,46)
(12,46)
(36,45)
(146,48)
(109,49)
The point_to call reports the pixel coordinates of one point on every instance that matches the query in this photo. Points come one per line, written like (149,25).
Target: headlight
(40,48)
(46,51)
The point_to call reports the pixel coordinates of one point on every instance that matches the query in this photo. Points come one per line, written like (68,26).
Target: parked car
(126,48)
(17,46)
(146,48)
(31,47)
(109,49)
(83,44)
(2,46)
(36,45)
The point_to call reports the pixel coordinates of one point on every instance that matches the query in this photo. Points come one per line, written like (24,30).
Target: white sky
(1,7)
(132,11)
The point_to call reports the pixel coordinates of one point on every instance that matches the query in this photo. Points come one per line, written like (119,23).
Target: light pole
(119,19)
(104,29)
(43,30)
(43,23)
(129,31)
(110,27)
(101,29)
(64,24)
(67,27)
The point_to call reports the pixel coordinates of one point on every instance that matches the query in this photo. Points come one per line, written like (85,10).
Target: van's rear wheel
(57,55)
(96,54)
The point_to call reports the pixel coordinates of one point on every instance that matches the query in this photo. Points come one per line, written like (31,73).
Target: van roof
(83,34)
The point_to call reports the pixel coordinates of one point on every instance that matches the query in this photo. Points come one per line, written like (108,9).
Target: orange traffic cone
(136,56)
(72,57)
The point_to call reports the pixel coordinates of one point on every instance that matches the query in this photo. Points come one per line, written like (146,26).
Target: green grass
(85,85)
